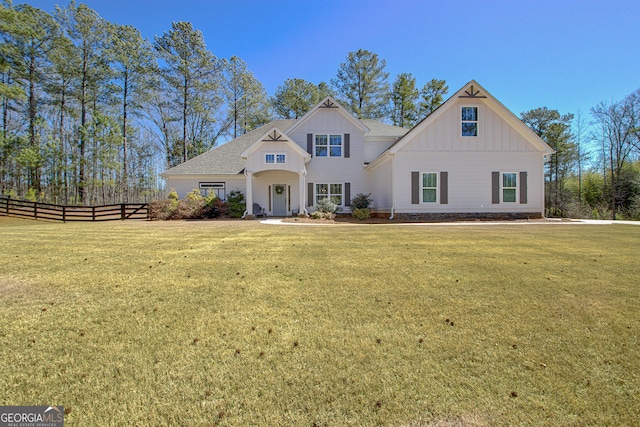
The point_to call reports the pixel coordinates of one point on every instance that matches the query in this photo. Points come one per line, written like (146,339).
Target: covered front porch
(275,173)
(279,193)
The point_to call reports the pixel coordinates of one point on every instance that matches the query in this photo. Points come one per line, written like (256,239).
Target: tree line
(91,111)
(89,106)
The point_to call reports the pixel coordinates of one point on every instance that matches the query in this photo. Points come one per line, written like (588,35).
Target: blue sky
(563,54)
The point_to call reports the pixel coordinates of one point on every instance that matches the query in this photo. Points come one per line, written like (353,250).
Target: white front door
(279,200)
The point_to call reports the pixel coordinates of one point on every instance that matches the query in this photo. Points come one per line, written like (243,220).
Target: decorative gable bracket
(328,104)
(274,137)
(472,93)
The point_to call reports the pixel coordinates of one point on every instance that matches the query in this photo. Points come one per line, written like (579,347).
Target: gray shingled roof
(225,159)
(381,129)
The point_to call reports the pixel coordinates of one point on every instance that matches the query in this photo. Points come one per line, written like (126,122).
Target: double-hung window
(328,146)
(331,191)
(509,187)
(429,187)
(469,121)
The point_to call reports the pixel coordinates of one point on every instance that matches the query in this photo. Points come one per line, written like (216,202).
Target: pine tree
(295,97)
(88,31)
(133,60)
(404,96)
(555,129)
(192,74)
(362,85)
(432,96)
(30,61)
(246,98)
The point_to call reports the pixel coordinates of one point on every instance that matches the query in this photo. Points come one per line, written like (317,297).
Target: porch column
(249,194)
(302,187)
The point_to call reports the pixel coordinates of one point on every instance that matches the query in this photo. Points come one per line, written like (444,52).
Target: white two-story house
(470,158)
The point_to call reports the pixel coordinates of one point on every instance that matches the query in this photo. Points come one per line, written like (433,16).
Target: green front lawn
(240,323)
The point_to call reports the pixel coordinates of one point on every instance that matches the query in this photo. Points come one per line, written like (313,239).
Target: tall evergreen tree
(192,73)
(433,94)
(295,97)
(64,67)
(246,98)
(404,96)
(88,32)
(30,61)
(361,83)
(10,91)
(555,129)
(133,61)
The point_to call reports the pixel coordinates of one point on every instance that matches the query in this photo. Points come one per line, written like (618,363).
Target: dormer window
(469,121)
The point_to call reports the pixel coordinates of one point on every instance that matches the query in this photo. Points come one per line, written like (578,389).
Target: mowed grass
(241,323)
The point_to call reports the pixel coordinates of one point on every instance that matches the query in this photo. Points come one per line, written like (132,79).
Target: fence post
(35,210)
(122,211)
(64,213)
(93,213)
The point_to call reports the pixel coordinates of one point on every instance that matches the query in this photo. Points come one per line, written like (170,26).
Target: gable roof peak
(472,90)
(329,103)
(274,134)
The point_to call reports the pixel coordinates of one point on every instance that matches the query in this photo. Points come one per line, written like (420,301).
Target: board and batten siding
(332,170)
(183,184)
(469,181)
(256,161)
(494,133)
(381,186)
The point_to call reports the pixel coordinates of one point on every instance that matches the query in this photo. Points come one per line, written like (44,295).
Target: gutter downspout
(393,186)
(304,189)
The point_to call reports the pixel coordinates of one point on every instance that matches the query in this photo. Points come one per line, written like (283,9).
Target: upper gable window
(328,146)
(275,158)
(469,121)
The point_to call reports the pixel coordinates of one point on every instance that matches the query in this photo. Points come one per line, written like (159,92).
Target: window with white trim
(328,145)
(509,187)
(332,191)
(429,187)
(469,121)
(272,158)
(217,188)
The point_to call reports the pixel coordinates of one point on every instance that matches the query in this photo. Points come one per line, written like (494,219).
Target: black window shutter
(347,145)
(495,188)
(310,143)
(310,194)
(444,188)
(523,188)
(347,194)
(415,188)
